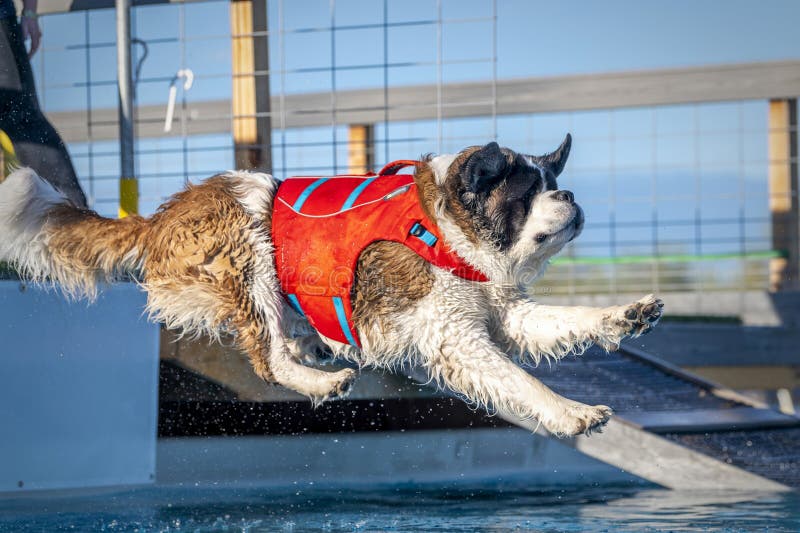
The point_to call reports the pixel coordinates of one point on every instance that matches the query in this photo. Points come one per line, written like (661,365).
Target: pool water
(441,508)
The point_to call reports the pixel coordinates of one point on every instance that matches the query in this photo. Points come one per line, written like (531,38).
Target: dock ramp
(676,429)
(671,428)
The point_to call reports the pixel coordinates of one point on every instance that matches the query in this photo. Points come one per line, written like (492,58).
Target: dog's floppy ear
(485,167)
(555,161)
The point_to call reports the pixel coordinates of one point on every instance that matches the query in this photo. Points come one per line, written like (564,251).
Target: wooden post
(360,148)
(783,194)
(250,60)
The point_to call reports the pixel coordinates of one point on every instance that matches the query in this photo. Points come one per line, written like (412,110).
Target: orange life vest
(320,225)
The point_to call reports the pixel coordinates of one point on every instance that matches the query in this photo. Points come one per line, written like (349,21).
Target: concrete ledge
(78,389)
(353,459)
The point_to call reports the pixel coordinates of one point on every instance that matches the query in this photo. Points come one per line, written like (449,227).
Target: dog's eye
(540,237)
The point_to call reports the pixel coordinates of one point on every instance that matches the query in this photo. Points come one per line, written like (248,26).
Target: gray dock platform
(670,427)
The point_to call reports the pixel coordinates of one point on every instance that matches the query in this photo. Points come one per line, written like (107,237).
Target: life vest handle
(394,167)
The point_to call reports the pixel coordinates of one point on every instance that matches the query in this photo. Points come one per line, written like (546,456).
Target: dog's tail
(46,238)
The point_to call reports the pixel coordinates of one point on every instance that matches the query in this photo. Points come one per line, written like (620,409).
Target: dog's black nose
(565,196)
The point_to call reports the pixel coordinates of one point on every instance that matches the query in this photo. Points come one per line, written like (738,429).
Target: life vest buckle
(419,231)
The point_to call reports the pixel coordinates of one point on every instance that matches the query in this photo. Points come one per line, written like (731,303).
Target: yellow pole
(8,159)
(128,197)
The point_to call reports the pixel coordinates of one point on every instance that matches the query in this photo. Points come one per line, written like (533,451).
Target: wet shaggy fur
(206,261)
(390,279)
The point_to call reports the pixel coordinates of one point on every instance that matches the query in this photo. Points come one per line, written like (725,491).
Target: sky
(694,176)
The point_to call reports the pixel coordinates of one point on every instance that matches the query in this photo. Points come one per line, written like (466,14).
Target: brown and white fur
(206,261)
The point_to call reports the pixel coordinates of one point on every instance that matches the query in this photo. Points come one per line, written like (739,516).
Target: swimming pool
(402,508)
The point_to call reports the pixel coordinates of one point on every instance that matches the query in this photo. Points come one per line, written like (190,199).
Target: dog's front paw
(578,418)
(640,317)
(343,387)
(340,385)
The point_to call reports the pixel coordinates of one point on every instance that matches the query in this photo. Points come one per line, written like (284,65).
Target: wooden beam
(361,148)
(783,193)
(548,94)
(251,131)
(714,83)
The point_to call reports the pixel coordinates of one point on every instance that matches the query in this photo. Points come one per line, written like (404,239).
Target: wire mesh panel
(676,197)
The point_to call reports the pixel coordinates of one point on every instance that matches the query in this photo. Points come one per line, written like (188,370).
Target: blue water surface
(440,508)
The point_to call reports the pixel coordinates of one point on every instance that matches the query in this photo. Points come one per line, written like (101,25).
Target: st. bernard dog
(206,260)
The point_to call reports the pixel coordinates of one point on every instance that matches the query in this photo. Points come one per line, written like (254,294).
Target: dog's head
(507,204)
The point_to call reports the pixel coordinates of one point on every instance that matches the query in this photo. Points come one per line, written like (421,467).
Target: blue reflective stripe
(339,306)
(307,192)
(295,303)
(357,191)
(419,231)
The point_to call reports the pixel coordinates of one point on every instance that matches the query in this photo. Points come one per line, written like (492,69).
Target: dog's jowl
(425,262)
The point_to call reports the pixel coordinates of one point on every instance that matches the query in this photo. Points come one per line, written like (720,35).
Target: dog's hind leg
(274,362)
(309,349)
(259,333)
(318,385)
(262,336)
(202,304)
